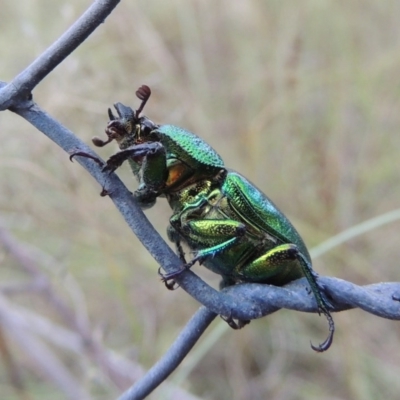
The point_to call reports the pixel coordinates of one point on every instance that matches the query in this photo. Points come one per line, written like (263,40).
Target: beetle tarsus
(328,341)
(86,155)
(170,276)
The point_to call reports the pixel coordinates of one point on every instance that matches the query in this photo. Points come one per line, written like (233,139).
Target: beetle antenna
(100,142)
(143,93)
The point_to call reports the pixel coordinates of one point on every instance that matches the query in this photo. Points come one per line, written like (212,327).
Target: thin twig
(173,357)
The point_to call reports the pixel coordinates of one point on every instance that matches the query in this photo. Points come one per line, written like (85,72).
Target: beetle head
(129,128)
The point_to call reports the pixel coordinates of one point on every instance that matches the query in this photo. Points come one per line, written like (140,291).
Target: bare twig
(378,299)
(174,356)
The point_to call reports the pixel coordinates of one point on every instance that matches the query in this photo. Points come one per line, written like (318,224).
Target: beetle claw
(171,285)
(168,281)
(104,192)
(86,155)
(239,324)
(324,345)
(328,341)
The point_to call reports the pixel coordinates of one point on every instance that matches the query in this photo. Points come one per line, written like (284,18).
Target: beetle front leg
(153,172)
(283,262)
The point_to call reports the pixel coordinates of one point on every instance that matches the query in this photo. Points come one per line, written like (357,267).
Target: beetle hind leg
(283,264)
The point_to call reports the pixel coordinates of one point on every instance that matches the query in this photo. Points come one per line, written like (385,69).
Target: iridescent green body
(231,226)
(234,229)
(237,231)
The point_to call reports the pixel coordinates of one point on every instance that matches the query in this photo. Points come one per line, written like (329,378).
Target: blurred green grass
(301,97)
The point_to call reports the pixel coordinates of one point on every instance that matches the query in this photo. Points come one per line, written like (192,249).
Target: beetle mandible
(231,226)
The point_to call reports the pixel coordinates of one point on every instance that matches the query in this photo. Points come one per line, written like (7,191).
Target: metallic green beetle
(231,226)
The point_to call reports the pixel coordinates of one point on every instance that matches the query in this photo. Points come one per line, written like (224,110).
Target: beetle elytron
(229,224)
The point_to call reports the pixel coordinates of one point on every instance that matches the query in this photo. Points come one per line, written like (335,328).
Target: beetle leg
(168,278)
(137,152)
(282,262)
(179,250)
(215,235)
(174,236)
(148,161)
